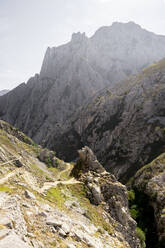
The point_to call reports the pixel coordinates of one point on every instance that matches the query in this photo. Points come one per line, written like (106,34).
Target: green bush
(49,162)
(134,212)
(131,195)
(141,235)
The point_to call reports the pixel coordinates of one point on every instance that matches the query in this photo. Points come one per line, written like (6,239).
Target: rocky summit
(3,92)
(43,205)
(72,73)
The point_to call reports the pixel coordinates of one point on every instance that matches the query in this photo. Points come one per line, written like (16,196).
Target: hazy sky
(28,27)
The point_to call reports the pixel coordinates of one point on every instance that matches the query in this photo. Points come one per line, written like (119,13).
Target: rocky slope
(149,186)
(123,125)
(3,92)
(74,72)
(42,206)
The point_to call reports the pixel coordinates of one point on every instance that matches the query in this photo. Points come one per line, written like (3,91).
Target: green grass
(6,189)
(62,193)
(93,213)
(57,195)
(38,171)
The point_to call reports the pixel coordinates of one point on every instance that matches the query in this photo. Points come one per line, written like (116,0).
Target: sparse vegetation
(141,236)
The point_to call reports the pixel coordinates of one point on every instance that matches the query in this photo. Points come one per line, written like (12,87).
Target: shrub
(131,195)
(141,235)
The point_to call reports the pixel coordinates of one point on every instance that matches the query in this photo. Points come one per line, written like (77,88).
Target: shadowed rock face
(149,182)
(124,125)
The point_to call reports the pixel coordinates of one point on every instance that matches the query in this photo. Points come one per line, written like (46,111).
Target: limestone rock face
(103,188)
(150,180)
(72,73)
(88,158)
(13,239)
(123,124)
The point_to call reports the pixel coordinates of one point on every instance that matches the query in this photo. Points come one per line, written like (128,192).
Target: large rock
(13,240)
(89,161)
(104,189)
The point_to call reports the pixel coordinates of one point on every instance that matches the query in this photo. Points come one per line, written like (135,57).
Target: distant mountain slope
(3,92)
(71,74)
(124,124)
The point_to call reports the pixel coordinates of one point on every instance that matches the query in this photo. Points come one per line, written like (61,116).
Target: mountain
(124,124)
(73,73)
(3,92)
(42,205)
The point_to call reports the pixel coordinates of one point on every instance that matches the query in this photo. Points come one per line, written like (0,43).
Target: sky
(28,27)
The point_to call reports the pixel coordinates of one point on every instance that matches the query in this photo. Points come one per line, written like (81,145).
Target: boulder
(13,240)
(29,195)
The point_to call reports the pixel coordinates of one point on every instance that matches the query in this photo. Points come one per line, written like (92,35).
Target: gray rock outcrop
(104,189)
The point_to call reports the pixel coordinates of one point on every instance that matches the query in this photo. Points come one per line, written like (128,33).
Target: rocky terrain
(149,187)
(72,73)
(123,124)
(3,92)
(43,206)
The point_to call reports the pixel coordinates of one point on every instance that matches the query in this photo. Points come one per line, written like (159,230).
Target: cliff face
(104,189)
(149,183)
(123,125)
(112,52)
(71,74)
(42,205)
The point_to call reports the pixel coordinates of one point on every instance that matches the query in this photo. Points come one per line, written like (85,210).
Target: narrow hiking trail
(68,168)
(48,185)
(10,161)
(31,180)
(59,180)
(9,175)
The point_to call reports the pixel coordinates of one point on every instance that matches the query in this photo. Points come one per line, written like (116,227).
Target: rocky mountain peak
(129,24)
(3,92)
(78,37)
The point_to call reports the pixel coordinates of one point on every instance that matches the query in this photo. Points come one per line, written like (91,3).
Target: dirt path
(59,180)
(48,185)
(31,180)
(64,171)
(10,161)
